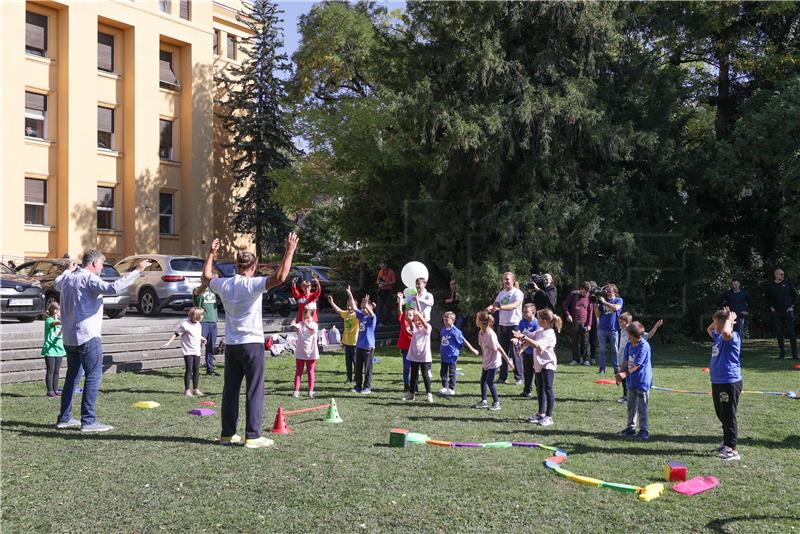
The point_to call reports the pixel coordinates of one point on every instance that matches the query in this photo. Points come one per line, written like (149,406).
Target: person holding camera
(545,293)
(578,311)
(607,310)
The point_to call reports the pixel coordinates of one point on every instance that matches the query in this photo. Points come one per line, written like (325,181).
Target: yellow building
(108,134)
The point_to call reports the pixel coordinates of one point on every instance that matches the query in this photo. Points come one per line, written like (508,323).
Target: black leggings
(726,401)
(349,358)
(544,391)
(53,365)
(416,367)
(192,371)
(487,381)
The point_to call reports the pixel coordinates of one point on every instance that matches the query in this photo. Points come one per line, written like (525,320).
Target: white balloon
(411,271)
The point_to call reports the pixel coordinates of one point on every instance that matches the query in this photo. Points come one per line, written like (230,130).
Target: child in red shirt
(306,298)
(404,339)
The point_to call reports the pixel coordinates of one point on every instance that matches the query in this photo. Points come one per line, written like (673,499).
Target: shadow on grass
(22,428)
(718,525)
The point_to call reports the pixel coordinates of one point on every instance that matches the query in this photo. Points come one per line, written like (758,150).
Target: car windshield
(186,264)
(5,269)
(109,271)
(226,268)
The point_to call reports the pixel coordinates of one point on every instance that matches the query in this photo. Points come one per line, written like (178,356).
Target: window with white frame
(35,34)
(105,207)
(35,115)
(166,213)
(165,140)
(35,201)
(105,128)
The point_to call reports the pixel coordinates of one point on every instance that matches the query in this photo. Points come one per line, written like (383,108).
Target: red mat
(606,381)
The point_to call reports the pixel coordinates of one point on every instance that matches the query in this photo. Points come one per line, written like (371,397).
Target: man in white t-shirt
(508,304)
(244,339)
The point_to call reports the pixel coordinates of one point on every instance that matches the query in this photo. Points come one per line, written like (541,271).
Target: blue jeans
(739,326)
(607,338)
(406,369)
(88,356)
(637,409)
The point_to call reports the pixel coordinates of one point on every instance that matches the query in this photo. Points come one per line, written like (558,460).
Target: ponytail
(552,319)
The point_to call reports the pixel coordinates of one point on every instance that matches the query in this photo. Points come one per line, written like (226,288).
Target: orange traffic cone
(280,426)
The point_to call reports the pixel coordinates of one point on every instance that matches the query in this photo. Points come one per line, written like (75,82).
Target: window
(35,34)
(166,73)
(186,9)
(105,52)
(165,139)
(165,212)
(231,46)
(35,201)
(105,208)
(163,6)
(216,42)
(125,265)
(105,128)
(35,115)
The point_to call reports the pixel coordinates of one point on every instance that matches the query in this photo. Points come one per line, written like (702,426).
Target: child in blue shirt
(527,326)
(726,378)
(365,346)
(450,344)
(637,370)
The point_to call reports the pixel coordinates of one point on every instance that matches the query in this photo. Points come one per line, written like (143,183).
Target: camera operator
(544,296)
(578,311)
(607,310)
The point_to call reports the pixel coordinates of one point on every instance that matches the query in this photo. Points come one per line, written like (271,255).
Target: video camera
(536,279)
(596,292)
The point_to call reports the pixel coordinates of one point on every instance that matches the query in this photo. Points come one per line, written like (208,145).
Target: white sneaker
(443,391)
(310,394)
(430,398)
(535,419)
(622,400)
(296,394)
(236,439)
(573,362)
(451,392)
(258,443)
(546,421)
(72,423)
(586,363)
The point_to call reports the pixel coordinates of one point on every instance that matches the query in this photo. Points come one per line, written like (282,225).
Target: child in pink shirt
(493,356)
(307,353)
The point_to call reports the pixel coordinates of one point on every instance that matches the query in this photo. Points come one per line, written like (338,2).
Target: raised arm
(336,308)
(286,262)
(400,299)
(655,329)
(59,281)
(98,286)
(295,292)
(208,266)
(351,299)
(727,330)
(365,303)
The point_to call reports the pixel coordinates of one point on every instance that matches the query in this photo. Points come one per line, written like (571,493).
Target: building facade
(109,138)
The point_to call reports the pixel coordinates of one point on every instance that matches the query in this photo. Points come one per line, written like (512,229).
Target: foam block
(550,465)
(585,480)
(547,448)
(674,471)
(471,445)
(145,405)
(202,412)
(439,443)
(498,445)
(397,437)
(696,485)
(606,381)
(562,472)
(416,437)
(651,491)
(559,452)
(555,459)
(524,444)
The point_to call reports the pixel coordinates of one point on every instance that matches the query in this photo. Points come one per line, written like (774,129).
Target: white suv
(167,283)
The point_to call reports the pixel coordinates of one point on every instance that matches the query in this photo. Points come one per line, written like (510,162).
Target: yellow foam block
(585,480)
(146,405)
(651,491)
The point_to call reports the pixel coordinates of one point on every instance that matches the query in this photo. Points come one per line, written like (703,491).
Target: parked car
(226,268)
(167,283)
(46,271)
(20,296)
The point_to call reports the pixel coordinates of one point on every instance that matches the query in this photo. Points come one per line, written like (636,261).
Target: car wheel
(115,314)
(27,319)
(50,298)
(148,303)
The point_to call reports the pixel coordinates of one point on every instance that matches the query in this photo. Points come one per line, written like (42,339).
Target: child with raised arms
(404,318)
(493,356)
(365,345)
(726,379)
(450,344)
(349,336)
(190,333)
(419,355)
(543,343)
(306,353)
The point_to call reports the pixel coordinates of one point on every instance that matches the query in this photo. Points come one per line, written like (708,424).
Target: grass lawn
(159,469)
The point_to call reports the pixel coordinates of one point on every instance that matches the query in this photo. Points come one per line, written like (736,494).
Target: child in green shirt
(53,348)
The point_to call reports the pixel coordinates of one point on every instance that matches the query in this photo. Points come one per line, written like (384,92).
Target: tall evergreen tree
(251,108)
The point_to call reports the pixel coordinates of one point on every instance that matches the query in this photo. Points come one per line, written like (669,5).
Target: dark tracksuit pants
(726,401)
(244,361)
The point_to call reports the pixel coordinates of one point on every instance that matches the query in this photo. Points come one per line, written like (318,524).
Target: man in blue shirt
(607,310)
(365,345)
(726,379)
(737,300)
(637,370)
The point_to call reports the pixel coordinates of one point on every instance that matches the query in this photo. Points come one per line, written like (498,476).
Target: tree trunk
(723,116)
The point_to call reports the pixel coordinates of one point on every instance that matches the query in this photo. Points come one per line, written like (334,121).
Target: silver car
(167,283)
